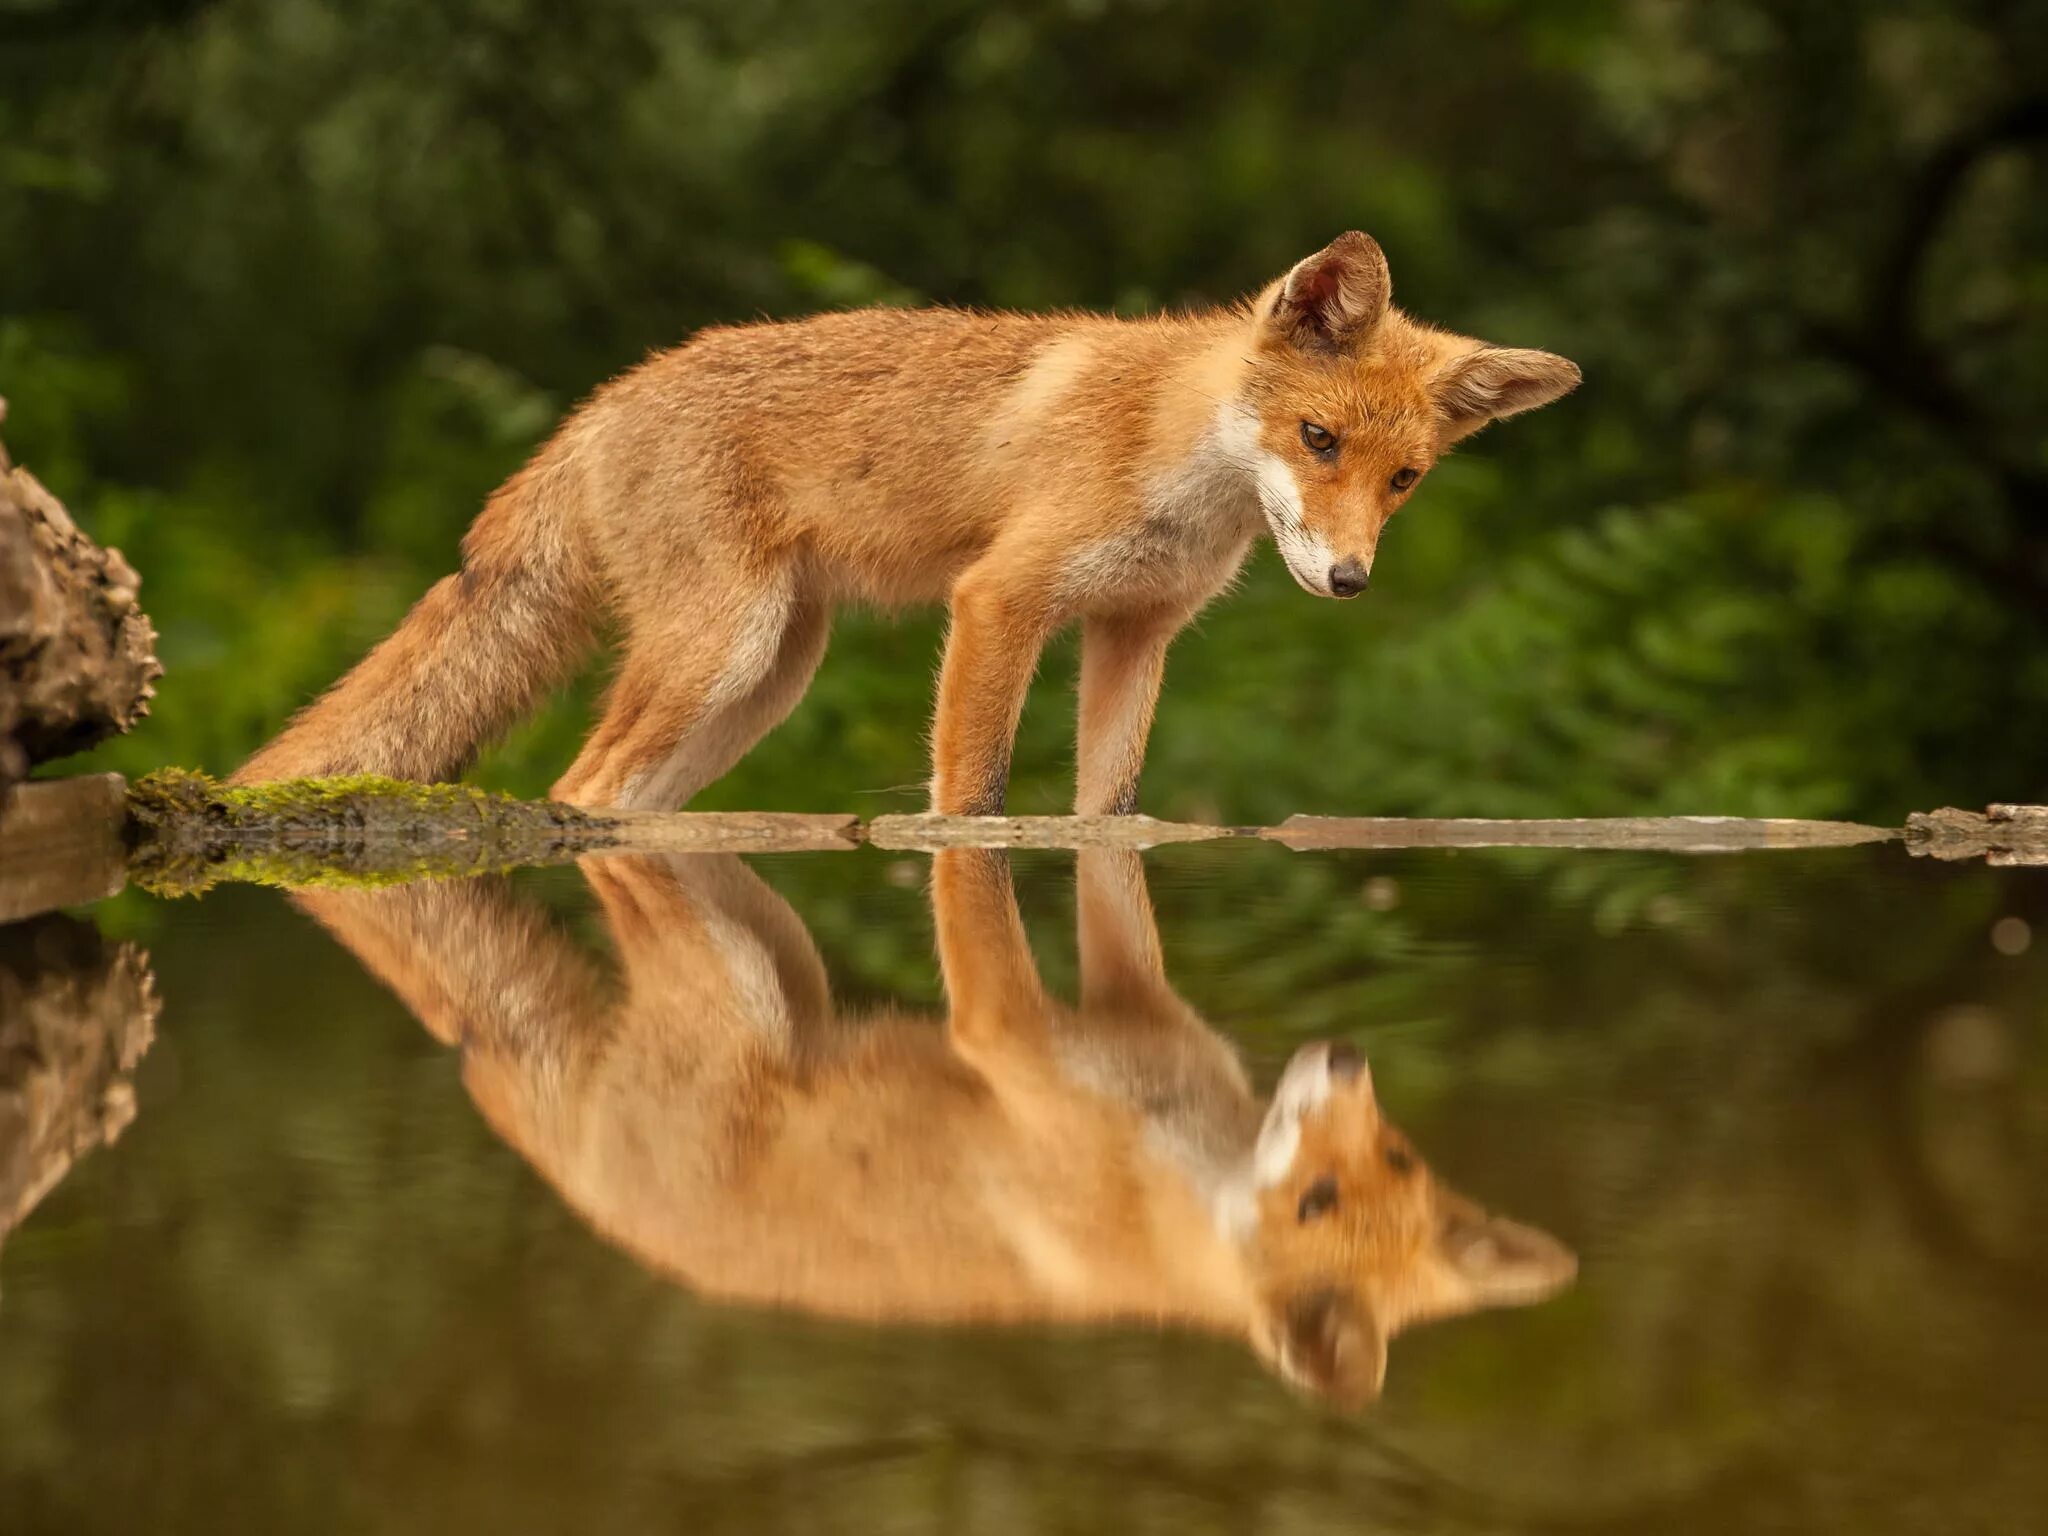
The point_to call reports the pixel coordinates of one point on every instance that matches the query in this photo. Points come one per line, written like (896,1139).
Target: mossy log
(77,654)
(76,1014)
(189,833)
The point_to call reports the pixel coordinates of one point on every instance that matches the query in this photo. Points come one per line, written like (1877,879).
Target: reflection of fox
(721,499)
(715,1116)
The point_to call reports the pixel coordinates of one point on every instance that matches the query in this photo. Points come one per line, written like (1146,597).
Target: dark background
(286,286)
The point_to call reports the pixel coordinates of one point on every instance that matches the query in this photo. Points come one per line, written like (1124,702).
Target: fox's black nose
(1345,1061)
(1348,578)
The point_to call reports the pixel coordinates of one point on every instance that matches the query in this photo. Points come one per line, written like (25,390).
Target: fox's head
(1346,403)
(1349,1238)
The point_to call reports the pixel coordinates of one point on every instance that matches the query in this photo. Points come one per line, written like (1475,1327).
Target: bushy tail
(471,657)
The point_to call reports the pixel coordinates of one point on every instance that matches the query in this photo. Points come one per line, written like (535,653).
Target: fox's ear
(1488,383)
(1501,1263)
(1323,1340)
(1333,299)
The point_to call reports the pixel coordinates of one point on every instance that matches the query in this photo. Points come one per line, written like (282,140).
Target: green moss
(178,792)
(189,833)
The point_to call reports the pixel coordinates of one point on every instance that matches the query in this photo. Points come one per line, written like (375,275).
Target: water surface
(1790,1111)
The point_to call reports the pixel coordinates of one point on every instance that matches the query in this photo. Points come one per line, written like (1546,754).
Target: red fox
(718,501)
(717,1116)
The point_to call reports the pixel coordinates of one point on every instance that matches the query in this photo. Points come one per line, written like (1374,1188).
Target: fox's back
(887,446)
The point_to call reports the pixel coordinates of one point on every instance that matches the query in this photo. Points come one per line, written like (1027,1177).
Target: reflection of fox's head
(1349,1238)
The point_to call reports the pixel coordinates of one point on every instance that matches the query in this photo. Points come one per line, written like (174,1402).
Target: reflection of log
(76,1014)
(77,656)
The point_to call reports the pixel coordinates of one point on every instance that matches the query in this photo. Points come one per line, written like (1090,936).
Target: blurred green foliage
(286,286)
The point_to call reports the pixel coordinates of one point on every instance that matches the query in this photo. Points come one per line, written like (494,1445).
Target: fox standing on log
(719,500)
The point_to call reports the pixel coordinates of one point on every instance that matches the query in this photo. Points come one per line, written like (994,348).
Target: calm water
(1790,1111)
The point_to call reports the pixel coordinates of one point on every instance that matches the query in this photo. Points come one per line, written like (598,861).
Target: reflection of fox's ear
(1333,299)
(1500,1263)
(1488,383)
(1324,1340)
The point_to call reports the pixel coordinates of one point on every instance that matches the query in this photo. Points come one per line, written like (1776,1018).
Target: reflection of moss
(189,833)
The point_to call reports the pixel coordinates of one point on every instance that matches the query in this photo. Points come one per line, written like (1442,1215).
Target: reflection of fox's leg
(1122,966)
(1133,1033)
(991,979)
(696,668)
(704,929)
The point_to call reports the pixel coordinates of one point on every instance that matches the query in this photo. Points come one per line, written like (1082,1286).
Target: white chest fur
(1196,526)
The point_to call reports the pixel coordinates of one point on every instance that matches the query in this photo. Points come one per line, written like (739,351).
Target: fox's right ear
(1332,300)
(1487,383)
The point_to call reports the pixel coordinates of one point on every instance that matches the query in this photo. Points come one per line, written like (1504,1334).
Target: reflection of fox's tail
(472,656)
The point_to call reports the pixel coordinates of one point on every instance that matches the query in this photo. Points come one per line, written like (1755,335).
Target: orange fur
(714,1113)
(720,500)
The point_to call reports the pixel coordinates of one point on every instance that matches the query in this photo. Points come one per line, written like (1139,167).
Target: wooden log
(77,655)
(61,844)
(76,1014)
(931,831)
(1666,834)
(727,831)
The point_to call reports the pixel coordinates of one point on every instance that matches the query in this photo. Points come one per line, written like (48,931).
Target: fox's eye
(1318,439)
(1319,1199)
(1403,478)
(1399,1160)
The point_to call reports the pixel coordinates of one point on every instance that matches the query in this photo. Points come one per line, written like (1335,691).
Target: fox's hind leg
(680,670)
(690,700)
(707,753)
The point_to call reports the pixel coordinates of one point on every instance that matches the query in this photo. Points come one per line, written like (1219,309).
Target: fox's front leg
(1123,659)
(1001,618)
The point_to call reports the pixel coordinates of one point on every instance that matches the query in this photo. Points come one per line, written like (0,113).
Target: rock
(77,654)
